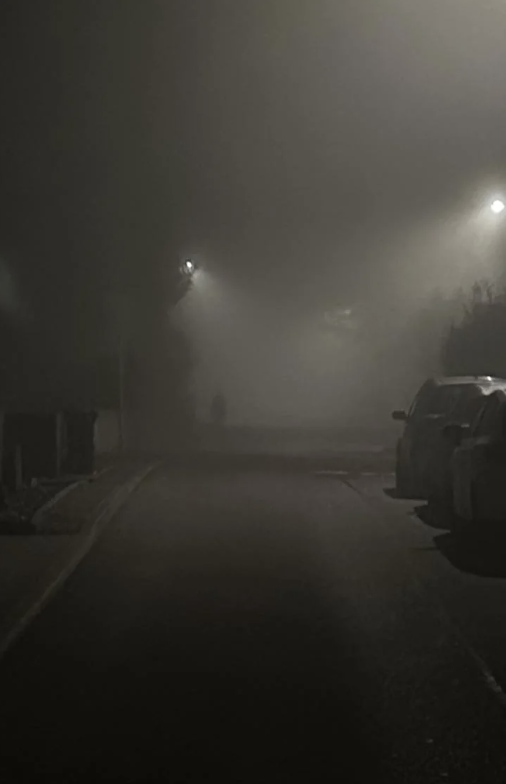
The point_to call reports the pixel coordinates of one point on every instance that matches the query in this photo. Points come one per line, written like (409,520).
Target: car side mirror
(399,415)
(454,432)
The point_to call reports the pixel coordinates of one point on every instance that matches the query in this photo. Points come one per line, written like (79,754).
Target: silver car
(439,402)
(478,464)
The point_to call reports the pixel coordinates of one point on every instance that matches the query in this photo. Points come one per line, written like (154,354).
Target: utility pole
(123,326)
(122,391)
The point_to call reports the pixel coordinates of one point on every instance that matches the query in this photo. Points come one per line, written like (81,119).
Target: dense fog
(345,159)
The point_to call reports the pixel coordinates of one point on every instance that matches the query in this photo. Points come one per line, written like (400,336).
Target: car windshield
(469,407)
(442,400)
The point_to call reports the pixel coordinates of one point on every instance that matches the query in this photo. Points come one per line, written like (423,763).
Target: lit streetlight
(188,267)
(497,206)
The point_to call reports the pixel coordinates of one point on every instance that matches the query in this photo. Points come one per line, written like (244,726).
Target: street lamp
(497,206)
(188,267)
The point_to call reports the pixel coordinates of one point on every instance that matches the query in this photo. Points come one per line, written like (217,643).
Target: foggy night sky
(314,153)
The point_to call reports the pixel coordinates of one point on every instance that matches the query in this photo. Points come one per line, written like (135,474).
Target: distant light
(497,206)
(188,267)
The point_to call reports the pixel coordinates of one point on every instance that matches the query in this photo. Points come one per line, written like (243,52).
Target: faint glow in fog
(340,318)
(188,267)
(447,249)
(205,295)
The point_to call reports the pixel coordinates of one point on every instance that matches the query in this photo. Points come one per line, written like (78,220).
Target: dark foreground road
(264,623)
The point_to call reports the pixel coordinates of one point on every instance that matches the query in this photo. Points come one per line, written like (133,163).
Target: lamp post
(497,206)
(188,268)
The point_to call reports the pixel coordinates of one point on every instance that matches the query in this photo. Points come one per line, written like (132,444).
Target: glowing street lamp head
(188,267)
(497,206)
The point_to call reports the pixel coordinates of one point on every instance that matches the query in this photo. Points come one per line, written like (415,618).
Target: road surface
(265,622)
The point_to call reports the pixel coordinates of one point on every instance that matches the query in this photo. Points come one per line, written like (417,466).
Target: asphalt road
(244,621)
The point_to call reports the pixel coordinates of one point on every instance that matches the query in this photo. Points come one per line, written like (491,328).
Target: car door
(466,458)
(488,472)
(413,418)
(437,411)
(464,415)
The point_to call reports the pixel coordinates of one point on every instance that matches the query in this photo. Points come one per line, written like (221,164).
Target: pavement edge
(105,512)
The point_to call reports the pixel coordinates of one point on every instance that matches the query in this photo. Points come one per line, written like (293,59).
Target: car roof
(480,381)
(499,393)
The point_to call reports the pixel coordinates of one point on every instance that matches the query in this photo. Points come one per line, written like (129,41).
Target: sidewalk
(33,567)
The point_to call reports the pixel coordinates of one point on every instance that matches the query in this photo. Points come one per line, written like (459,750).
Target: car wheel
(403,483)
(482,523)
(472,526)
(442,500)
(460,526)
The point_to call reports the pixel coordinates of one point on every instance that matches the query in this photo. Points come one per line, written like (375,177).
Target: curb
(39,515)
(106,511)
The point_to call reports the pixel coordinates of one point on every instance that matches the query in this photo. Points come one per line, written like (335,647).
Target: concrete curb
(38,517)
(40,514)
(105,512)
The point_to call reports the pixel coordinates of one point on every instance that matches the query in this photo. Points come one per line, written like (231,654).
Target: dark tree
(477,344)
(87,205)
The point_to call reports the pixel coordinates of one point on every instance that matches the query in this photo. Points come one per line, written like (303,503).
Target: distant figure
(218,410)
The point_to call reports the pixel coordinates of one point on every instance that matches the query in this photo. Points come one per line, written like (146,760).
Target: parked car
(440,401)
(478,464)
(464,417)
